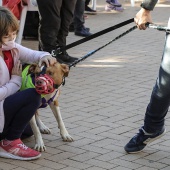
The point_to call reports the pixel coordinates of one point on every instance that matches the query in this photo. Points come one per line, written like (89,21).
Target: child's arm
(11,87)
(29,56)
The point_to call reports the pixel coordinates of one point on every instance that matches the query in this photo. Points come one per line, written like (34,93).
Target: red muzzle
(44,84)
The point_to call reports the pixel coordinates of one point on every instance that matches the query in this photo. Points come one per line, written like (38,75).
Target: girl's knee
(33,95)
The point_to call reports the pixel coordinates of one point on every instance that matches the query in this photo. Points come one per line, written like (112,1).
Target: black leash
(59,50)
(94,51)
(154,26)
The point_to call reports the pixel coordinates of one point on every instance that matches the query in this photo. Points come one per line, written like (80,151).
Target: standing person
(78,20)
(55,19)
(157,109)
(16,107)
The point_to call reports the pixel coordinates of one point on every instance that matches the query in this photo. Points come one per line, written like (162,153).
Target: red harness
(8,60)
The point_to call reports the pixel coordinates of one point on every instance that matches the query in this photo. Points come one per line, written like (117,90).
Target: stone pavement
(104,100)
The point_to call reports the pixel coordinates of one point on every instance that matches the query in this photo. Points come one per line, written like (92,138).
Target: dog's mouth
(44,84)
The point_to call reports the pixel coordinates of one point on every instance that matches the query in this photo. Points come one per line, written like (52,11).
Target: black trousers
(55,19)
(18,110)
(87,2)
(78,19)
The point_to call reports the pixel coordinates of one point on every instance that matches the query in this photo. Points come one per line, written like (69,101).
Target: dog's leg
(43,129)
(63,131)
(39,144)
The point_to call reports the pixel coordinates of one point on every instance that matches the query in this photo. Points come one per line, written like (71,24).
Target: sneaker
(114,3)
(88,10)
(111,7)
(17,150)
(83,32)
(65,58)
(139,141)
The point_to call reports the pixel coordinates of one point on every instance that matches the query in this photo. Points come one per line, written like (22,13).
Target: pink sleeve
(30,56)
(11,87)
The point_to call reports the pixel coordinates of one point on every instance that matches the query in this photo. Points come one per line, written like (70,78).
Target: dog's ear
(32,68)
(65,69)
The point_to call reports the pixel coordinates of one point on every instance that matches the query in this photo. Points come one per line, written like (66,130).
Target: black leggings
(19,109)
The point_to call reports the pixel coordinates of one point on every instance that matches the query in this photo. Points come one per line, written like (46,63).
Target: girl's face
(9,37)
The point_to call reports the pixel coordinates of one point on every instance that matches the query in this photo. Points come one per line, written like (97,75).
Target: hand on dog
(17,69)
(48,60)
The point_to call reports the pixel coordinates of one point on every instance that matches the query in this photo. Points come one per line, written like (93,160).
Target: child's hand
(17,69)
(48,60)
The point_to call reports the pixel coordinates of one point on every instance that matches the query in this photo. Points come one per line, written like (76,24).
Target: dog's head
(56,72)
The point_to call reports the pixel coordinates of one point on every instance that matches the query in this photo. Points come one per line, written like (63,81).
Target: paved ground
(104,100)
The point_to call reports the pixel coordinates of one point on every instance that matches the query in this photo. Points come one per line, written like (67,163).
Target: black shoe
(88,10)
(82,32)
(87,29)
(139,141)
(65,58)
(72,29)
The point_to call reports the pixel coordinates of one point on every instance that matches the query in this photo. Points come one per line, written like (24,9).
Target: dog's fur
(57,72)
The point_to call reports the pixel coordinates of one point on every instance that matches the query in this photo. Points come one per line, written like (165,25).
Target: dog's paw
(45,130)
(67,138)
(40,147)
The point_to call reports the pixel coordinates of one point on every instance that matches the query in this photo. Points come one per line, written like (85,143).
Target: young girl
(16,107)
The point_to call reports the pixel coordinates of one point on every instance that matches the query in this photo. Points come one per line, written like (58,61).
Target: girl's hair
(8,22)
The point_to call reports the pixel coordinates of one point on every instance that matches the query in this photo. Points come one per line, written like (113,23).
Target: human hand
(48,60)
(17,69)
(142,17)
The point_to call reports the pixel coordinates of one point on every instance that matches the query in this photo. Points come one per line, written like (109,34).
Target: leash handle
(94,51)
(158,27)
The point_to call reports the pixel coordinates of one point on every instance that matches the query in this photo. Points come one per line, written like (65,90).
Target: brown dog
(57,72)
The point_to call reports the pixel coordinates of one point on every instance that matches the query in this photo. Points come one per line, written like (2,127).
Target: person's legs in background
(48,31)
(55,18)
(78,20)
(66,14)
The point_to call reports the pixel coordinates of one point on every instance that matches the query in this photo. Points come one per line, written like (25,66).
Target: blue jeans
(160,98)
(18,110)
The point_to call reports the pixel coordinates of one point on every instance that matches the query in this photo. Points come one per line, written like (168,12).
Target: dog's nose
(38,82)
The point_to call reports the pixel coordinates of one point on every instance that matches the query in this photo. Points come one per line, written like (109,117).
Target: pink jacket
(10,86)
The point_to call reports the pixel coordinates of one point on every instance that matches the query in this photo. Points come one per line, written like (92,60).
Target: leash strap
(59,50)
(94,51)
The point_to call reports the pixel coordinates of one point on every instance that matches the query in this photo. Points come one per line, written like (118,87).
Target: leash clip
(55,52)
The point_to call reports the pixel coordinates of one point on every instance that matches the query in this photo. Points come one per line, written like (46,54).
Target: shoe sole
(150,141)
(5,154)
(90,13)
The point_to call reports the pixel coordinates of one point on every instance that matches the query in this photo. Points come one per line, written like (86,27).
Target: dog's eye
(50,73)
